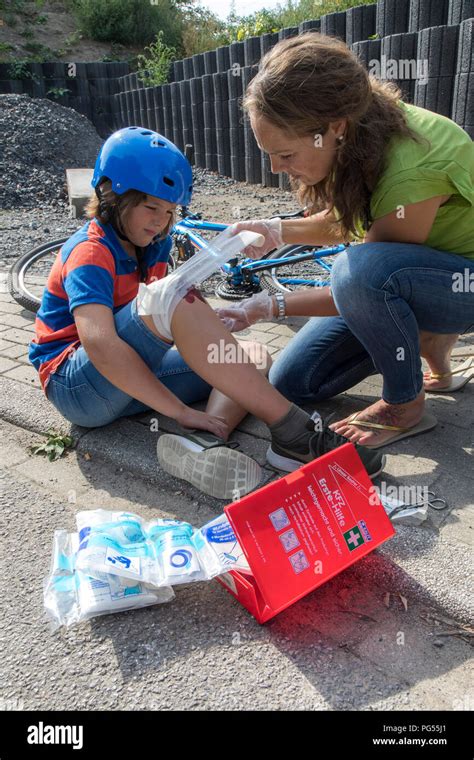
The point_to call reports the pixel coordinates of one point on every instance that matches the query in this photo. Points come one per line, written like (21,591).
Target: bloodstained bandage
(160,298)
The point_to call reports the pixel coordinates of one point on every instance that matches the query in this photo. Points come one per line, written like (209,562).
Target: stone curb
(127,444)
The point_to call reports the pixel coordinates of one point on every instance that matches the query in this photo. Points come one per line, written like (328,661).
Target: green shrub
(202,31)
(130,22)
(288,14)
(6,47)
(14,6)
(153,68)
(58,92)
(40,53)
(18,70)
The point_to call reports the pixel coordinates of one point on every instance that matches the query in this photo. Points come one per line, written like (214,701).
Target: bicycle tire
(269,280)
(16,275)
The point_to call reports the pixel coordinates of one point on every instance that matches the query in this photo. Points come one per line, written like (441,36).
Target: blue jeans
(85,397)
(385,293)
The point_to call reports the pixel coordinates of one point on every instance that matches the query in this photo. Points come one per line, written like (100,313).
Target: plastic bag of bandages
(118,561)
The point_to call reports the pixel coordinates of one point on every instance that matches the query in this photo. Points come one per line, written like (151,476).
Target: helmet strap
(109,215)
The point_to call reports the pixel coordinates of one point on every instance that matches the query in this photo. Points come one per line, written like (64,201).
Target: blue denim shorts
(85,397)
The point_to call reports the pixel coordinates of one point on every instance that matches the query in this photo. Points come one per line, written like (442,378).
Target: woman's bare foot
(436,349)
(398,415)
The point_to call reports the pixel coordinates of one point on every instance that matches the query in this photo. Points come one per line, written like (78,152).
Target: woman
(398,180)
(99,360)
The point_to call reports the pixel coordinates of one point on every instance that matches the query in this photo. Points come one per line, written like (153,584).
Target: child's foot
(209,464)
(297,440)
(436,349)
(405,416)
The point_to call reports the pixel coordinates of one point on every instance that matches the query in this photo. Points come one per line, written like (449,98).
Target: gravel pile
(40,140)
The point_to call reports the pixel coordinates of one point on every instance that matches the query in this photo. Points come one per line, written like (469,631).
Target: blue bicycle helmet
(135,158)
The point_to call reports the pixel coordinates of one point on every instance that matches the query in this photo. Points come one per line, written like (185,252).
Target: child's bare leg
(196,328)
(220,405)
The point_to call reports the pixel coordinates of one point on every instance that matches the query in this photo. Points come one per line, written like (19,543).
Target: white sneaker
(219,471)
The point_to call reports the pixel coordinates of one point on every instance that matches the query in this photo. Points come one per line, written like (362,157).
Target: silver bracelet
(280,299)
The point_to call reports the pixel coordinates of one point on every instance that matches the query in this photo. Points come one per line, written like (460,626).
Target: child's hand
(191,418)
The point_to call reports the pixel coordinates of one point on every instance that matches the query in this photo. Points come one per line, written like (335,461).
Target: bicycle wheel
(29,274)
(297,275)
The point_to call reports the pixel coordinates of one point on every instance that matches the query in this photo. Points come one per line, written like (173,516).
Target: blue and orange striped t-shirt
(91,267)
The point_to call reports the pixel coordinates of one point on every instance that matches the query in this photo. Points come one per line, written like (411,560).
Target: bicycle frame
(249,267)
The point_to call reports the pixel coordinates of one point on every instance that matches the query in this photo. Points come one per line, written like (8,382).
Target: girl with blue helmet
(99,360)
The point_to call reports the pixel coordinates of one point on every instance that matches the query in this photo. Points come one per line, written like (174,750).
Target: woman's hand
(269,228)
(247,312)
(191,418)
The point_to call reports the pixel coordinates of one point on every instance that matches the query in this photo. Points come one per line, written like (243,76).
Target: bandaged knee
(160,298)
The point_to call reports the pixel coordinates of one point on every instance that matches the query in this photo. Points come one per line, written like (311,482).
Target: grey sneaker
(209,463)
(285,457)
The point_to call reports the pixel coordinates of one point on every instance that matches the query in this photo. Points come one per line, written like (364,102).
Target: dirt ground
(58,32)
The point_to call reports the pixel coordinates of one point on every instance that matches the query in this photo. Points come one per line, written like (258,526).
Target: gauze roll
(160,298)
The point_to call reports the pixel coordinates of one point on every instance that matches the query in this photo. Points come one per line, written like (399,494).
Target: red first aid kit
(302,530)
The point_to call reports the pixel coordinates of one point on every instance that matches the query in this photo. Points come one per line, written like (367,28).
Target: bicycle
(287,268)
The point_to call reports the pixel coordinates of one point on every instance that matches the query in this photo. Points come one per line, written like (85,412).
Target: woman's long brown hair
(308,81)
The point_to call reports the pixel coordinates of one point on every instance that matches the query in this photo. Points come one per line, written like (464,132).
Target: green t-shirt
(417,171)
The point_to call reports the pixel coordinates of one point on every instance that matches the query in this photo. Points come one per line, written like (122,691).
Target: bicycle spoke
(303,273)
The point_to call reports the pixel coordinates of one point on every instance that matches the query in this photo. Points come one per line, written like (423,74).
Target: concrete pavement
(347,646)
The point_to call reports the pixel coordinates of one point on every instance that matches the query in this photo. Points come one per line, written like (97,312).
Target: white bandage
(160,298)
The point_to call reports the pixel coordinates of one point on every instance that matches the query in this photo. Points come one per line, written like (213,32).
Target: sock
(291,429)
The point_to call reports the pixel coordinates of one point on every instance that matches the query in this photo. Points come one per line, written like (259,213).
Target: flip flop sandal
(427,422)
(218,470)
(457,382)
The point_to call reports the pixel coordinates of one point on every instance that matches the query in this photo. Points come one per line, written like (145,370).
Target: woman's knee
(352,268)
(288,381)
